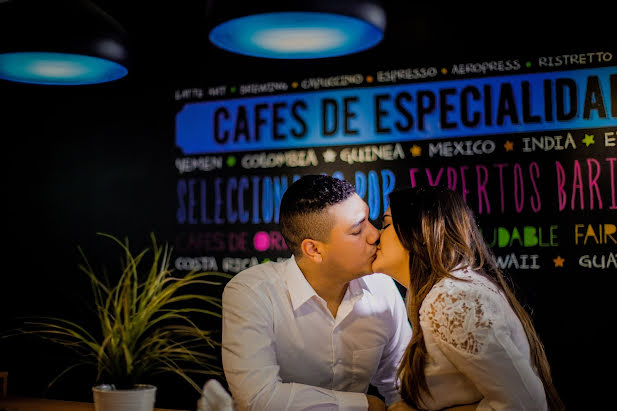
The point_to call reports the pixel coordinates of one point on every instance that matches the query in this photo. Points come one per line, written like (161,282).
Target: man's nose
(373,236)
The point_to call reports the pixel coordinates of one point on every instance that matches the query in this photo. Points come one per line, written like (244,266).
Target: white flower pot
(139,398)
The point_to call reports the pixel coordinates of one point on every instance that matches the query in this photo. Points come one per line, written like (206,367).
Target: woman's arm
(474,330)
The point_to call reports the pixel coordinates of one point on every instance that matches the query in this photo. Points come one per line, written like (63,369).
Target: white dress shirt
(477,348)
(283,350)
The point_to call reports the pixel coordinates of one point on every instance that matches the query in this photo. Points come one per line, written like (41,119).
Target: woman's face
(392,258)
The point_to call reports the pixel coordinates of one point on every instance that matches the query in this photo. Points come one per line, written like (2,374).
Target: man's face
(392,258)
(351,248)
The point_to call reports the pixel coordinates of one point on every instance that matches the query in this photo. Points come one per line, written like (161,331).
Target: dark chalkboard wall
(537,166)
(531,143)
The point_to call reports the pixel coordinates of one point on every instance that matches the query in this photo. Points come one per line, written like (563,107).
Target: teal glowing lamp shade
(50,68)
(60,42)
(302,29)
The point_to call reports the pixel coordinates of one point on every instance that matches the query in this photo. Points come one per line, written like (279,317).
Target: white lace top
(477,348)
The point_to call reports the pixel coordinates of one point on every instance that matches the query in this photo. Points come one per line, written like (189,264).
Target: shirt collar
(299,288)
(358,287)
(300,291)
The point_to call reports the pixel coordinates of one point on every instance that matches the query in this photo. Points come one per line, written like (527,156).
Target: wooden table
(39,404)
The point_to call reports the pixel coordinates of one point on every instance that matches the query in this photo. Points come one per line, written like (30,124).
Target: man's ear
(312,250)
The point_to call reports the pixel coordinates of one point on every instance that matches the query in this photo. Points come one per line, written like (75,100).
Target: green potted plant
(148,324)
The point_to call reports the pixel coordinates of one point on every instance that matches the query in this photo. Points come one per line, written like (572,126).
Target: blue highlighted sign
(443,109)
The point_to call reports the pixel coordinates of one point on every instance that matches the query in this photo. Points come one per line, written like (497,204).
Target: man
(314,331)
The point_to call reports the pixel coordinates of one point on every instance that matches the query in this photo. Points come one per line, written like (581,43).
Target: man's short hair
(304,208)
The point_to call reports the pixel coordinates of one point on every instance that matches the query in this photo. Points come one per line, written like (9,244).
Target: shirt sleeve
(385,379)
(250,363)
(471,331)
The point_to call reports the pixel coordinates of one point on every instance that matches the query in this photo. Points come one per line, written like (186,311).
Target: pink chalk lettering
(261,241)
(500,166)
(237,241)
(482,170)
(561,182)
(519,200)
(412,176)
(611,160)
(464,190)
(277,242)
(451,173)
(537,204)
(593,182)
(431,181)
(577,185)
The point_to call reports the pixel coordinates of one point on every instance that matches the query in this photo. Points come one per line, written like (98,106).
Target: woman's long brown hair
(440,232)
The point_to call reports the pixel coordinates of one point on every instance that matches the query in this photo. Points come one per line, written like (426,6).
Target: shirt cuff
(351,401)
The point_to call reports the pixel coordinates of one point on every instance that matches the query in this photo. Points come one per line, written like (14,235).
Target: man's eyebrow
(359,222)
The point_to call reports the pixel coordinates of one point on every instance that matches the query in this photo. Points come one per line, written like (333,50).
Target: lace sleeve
(459,316)
(470,329)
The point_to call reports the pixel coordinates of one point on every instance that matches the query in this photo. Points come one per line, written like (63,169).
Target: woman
(472,340)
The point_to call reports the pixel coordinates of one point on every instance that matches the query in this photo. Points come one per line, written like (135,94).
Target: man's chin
(362,275)
(368,271)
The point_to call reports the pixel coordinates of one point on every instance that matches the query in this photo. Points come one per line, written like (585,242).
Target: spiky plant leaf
(148,324)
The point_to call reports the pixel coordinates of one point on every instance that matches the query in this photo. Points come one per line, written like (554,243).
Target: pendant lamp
(60,42)
(296,29)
